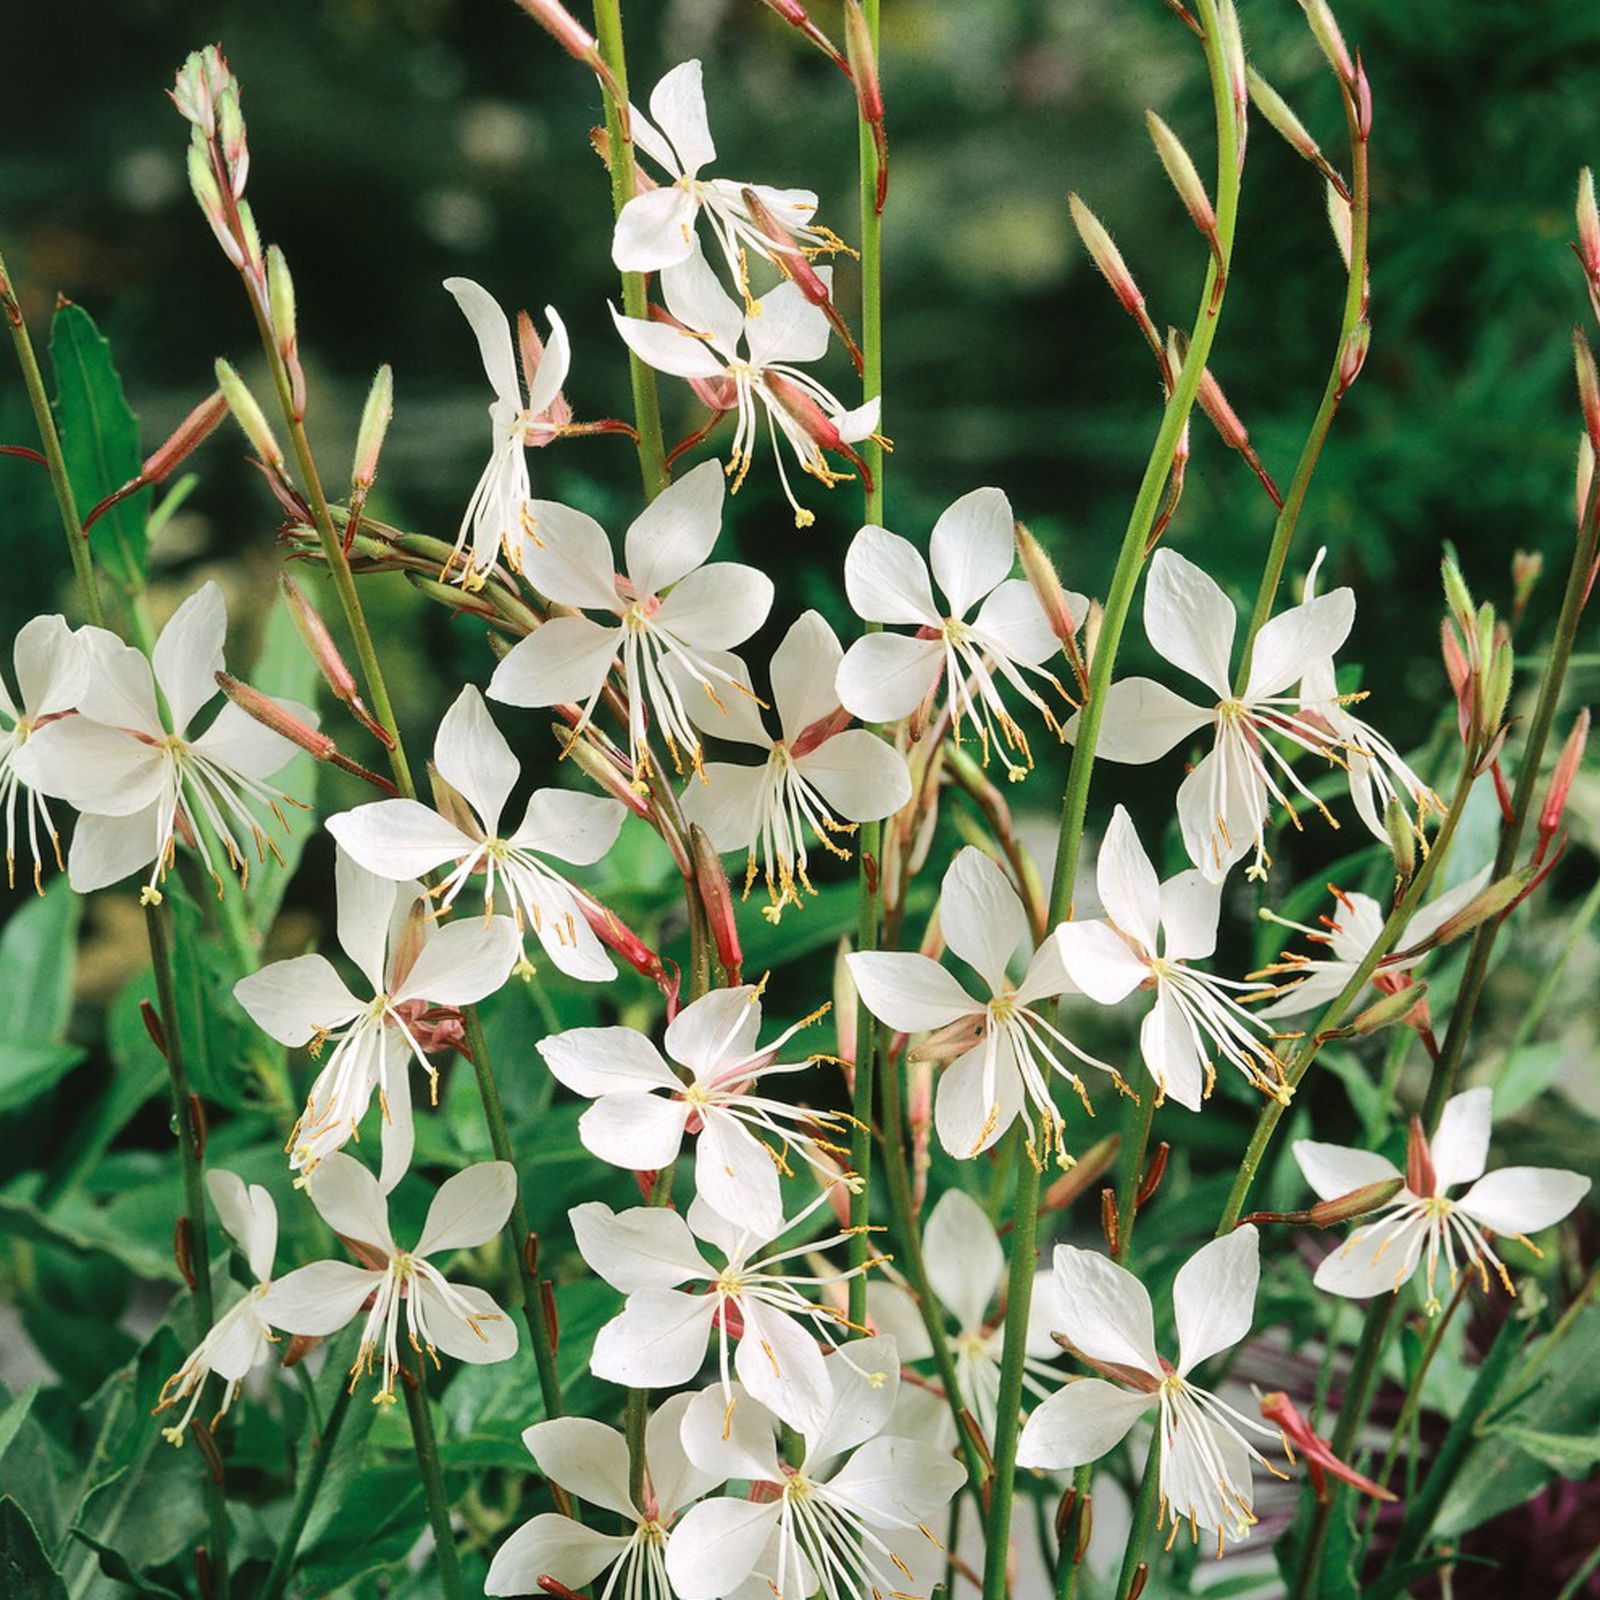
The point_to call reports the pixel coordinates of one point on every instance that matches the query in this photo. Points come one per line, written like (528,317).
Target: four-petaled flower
(886,676)
(1154,931)
(1224,803)
(1005,1050)
(410,964)
(1422,1225)
(667,607)
(497,514)
(819,771)
(1106,1320)
(52,672)
(402,838)
(459,1319)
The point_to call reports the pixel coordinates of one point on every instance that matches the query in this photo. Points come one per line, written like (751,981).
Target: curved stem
(306,1496)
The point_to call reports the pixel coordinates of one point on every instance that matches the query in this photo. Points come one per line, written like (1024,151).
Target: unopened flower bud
(711,883)
(1224,418)
(1394,1007)
(1494,900)
(1326,32)
(449,802)
(1275,110)
(249,416)
(187,437)
(1317,1453)
(274,714)
(1585,475)
(1588,387)
(1358,1203)
(1402,836)
(1497,682)
(595,764)
(280,299)
(1526,568)
(618,937)
(249,238)
(846,1005)
(201,81)
(231,138)
(375,417)
(1339,221)
(1105,255)
(1353,354)
(1588,225)
(317,640)
(863,62)
(204,186)
(1040,572)
(1185,179)
(1232,42)
(1566,769)
(1459,598)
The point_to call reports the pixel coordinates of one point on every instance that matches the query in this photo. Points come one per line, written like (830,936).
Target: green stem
(426,1446)
(60,482)
(1413,1400)
(1074,805)
(1132,1171)
(635,300)
(1144,1520)
(305,1495)
(869,841)
(1573,1587)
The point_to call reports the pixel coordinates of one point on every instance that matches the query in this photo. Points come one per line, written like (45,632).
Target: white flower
(1349,934)
(658,1340)
(643,1109)
(1422,1224)
(1154,931)
(828,1525)
(1005,1050)
(137,775)
(817,772)
(1107,1320)
(497,514)
(1224,802)
(781,328)
(52,672)
(402,839)
(410,963)
(886,676)
(464,1322)
(241,1337)
(668,606)
(657,228)
(591,1461)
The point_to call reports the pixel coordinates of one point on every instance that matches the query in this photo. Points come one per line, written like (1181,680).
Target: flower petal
(642,1132)
(908,991)
(898,1483)
(981,915)
(1143,720)
(805,667)
(718,1028)
(657,1340)
(586,1458)
(977,1102)
(716,607)
(551,1546)
(676,532)
(319,1299)
(563,661)
(1099,962)
(1129,889)
(1375,1259)
(737,1443)
(678,109)
(1523,1199)
(106,849)
(972,547)
(641,1248)
(655,230)
(493,330)
(1460,1147)
(787,327)
(349,1200)
(678,351)
(695,296)
(1334,1170)
(52,667)
(366,904)
(481,1336)
(1191,906)
(965,1261)
(250,1217)
(886,580)
(886,676)
(1012,623)
(1214,1296)
(779,1364)
(859,775)
(566,556)
(294,1000)
(597,1061)
(1189,620)
(1294,642)
(470,1208)
(1105,1310)
(463,963)
(188,655)
(398,839)
(1172,1055)
(717,1545)
(1079,1424)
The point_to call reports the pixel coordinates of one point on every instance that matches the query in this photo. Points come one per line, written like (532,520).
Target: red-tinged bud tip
(1298,1435)
(1588,386)
(1040,572)
(317,640)
(271,714)
(1588,225)
(1566,769)
(1105,255)
(1353,357)
(1223,417)
(1421,1179)
(195,428)
(1358,1203)
(1275,110)
(863,58)
(375,417)
(1329,39)
(716,896)
(1184,175)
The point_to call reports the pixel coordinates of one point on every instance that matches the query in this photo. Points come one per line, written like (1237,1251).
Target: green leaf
(37,954)
(14,1416)
(117,1567)
(25,1569)
(1526,1076)
(1571,1454)
(81,1230)
(374,1525)
(100,440)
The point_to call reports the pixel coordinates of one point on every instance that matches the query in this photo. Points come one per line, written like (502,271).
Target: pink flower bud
(711,883)
(863,62)
(1105,255)
(1566,769)
(1353,356)
(1326,32)
(1185,179)
(617,936)
(1320,1460)
(1588,246)
(1358,1203)
(187,437)
(1040,572)
(317,640)
(1588,387)
(249,416)
(271,714)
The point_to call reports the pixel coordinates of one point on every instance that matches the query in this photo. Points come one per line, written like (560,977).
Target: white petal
(397,1138)
(672,350)
(1189,620)
(975,1106)
(780,1365)
(655,230)
(657,1340)
(965,1261)
(1105,1310)
(717,1545)
(470,1208)
(350,1201)
(52,666)
(1143,720)
(788,327)
(554,364)
(981,915)
(1222,809)
(121,691)
(1046,976)
(463,963)
(886,676)
(678,108)
(726,803)
(741,1443)
(1011,623)
(569,825)
(493,331)
(718,606)
(398,838)
(908,991)
(1333,1170)
(250,1217)
(489,1336)
(106,849)
(641,1248)
(596,1061)
(566,556)
(237,1340)
(1191,906)
(1373,1260)
(1523,1199)
(586,1458)
(695,296)
(473,757)
(1099,962)
(188,655)
(1129,890)
(676,532)
(551,1546)
(896,1483)
(865,1375)
(236,741)
(717,1028)
(886,580)
(1079,1424)
(972,547)
(293,1000)
(1460,1147)
(366,904)
(1214,1296)
(642,1132)
(319,1299)
(564,661)
(1171,1056)
(674,1479)
(1290,644)
(859,775)
(95,768)
(804,669)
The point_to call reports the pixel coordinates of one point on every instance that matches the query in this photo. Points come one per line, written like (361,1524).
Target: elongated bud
(1497,682)
(1320,1460)
(1040,572)
(1326,32)
(249,237)
(1089,1168)
(204,186)
(1421,1178)
(249,416)
(617,936)
(795,14)
(1105,255)
(1398,826)
(1527,566)
(1459,598)
(1275,109)
(711,883)
(1232,43)
(186,438)
(231,138)
(1588,387)
(1494,900)
(1110,1223)
(273,714)
(846,1005)
(863,63)
(375,416)
(1224,418)
(450,803)
(1588,225)
(317,640)
(1339,221)
(1392,1008)
(1353,354)
(1336,1212)
(1566,769)
(1584,477)
(280,299)
(1185,179)
(598,766)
